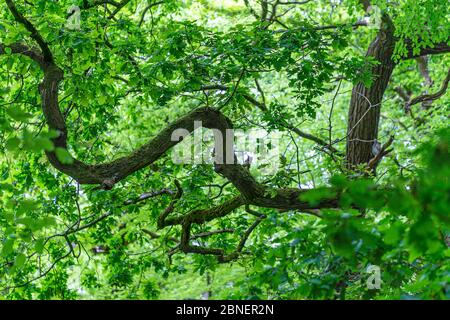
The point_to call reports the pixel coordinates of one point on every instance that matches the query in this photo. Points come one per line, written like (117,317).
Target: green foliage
(126,78)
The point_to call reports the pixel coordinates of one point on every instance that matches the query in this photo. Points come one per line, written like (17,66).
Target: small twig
(161,223)
(149,195)
(383,152)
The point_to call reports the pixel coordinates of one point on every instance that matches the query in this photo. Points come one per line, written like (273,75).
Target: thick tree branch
(365,104)
(35,35)
(108,174)
(437,48)
(23,49)
(430,97)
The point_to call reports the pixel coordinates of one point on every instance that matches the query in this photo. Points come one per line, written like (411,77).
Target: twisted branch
(430,97)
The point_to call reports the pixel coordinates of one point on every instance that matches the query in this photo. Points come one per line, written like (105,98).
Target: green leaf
(44,144)
(18,114)
(20,260)
(26,206)
(63,155)
(39,245)
(13,144)
(314,197)
(7,248)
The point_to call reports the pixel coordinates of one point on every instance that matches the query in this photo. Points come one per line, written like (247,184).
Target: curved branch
(148,7)
(235,254)
(148,195)
(23,49)
(373,163)
(433,96)
(162,222)
(118,8)
(201,216)
(35,35)
(108,174)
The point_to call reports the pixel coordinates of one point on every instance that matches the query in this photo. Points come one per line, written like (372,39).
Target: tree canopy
(350,99)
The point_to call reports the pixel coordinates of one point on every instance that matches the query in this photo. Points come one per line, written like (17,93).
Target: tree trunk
(365,104)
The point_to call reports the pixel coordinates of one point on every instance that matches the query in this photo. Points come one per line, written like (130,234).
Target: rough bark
(365,103)
(108,174)
(363,126)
